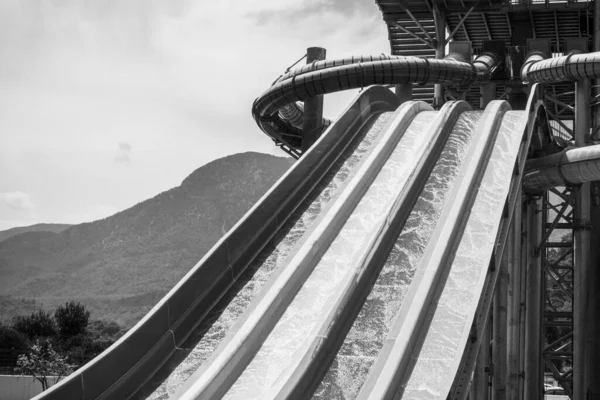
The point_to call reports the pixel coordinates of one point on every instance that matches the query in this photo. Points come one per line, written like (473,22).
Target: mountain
(53,228)
(120,266)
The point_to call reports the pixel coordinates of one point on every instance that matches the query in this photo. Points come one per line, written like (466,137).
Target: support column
(514,303)
(488,93)
(533,318)
(500,329)
(592,349)
(480,386)
(581,256)
(440,52)
(313,107)
(596,47)
(404,92)
(593,277)
(525,254)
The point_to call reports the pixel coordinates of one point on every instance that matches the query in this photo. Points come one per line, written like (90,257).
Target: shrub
(38,324)
(72,319)
(42,361)
(12,344)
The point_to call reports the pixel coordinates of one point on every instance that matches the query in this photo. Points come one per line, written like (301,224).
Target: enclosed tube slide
(572,67)
(570,167)
(124,367)
(331,76)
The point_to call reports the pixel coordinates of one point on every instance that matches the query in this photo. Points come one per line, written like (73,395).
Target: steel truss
(556,250)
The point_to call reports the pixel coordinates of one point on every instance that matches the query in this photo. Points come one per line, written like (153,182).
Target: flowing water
(445,339)
(207,337)
(357,354)
(294,331)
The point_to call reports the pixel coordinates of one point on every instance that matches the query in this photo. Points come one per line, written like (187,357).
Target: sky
(105,103)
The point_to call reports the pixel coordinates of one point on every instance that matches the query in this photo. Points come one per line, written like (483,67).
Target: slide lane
(432,334)
(445,337)
(275,259)
(366,337)
(207,336)
(288,362)
(189,311)
(266,335)
(388,376)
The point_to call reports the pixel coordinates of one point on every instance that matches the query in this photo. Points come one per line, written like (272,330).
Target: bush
(42,361)
(12,344)
(72,319)
(38,324)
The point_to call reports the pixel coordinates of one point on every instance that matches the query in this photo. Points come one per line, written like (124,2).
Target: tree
(72,319)
(38,324)
(12,344)
(41,362)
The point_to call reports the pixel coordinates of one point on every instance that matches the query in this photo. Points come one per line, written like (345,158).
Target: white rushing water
(206,338)
(445,340)
(294,331)
(364,341)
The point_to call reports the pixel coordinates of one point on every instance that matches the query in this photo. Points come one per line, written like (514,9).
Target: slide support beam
(582,266)
(533,319)
(313,107)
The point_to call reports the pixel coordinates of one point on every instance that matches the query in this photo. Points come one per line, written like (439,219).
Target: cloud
(125,146)
(123,153)
(295,12)
(17,201)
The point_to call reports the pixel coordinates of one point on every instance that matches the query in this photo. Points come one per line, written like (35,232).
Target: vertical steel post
(533,318)
(404,92)
(593,274)
(440,50)
(514,302)
(480,385)
(592,349)
(596,47)
(525,257)
(313,107)
(581,254)
(488,93)
(499,354)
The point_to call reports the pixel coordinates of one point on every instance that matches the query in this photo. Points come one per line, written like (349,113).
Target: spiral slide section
(269,230)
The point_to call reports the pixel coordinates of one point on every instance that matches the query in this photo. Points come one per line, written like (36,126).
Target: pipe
(571,167)
(331,76)
(294,114)
(532,58)
(572,67)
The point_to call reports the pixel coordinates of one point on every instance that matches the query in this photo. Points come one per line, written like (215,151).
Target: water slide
(362,268)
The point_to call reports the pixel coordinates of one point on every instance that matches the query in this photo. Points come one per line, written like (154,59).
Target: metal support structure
(440,52)
(514,304)
(480,386)
(557,261)
(581,236)
(593,283)
(404,92)
(593,274)
(499,349)
(533,318)
(313,107)
(596,47)
(488,93)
